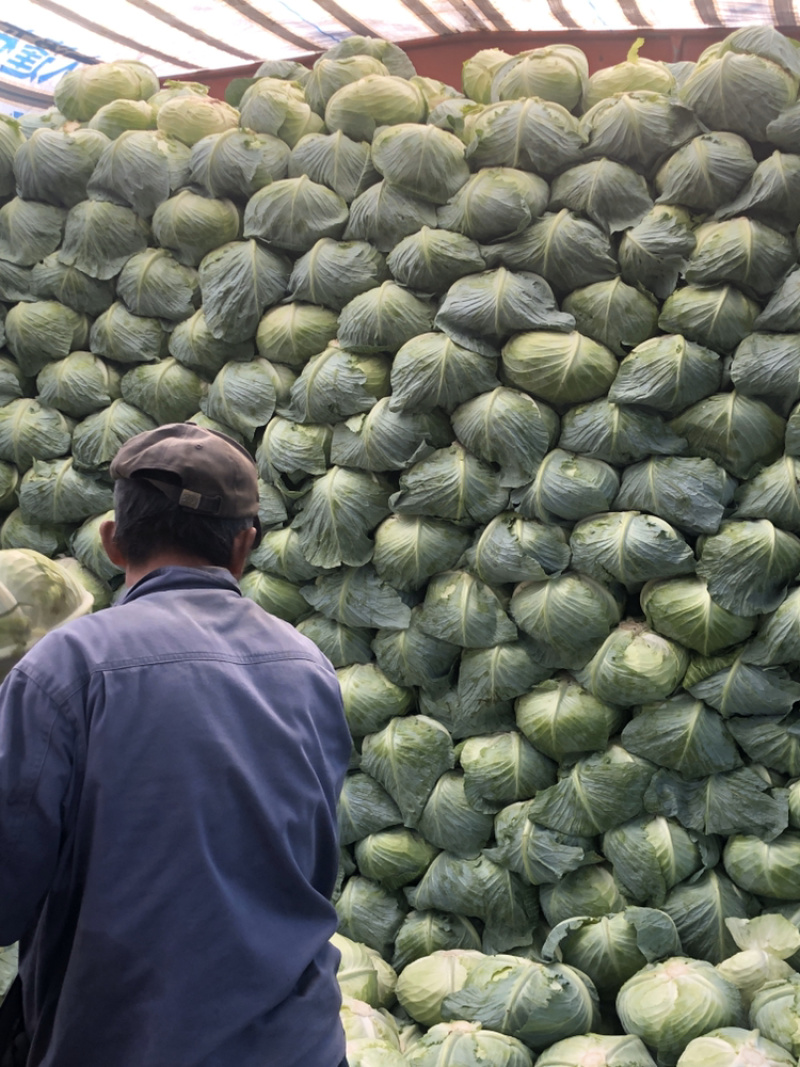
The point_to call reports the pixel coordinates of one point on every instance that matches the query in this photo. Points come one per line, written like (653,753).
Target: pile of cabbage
(520,369)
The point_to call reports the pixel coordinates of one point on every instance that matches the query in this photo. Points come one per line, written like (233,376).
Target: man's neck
(134,572)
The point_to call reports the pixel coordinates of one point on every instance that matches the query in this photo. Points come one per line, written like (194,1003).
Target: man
(169,771)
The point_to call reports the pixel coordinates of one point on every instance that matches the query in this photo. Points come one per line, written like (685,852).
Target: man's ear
(107,536)
(242,544)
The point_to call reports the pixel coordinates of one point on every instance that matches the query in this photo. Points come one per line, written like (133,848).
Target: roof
(40,40)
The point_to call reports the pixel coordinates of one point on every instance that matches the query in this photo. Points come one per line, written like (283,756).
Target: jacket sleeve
(36,761)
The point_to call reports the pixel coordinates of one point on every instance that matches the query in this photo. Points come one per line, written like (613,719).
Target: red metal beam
(442,57)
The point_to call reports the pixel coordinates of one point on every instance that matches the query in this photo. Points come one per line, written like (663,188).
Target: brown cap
(201,470)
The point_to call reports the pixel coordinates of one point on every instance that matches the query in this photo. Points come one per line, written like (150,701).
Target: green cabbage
(159,166)
(421,160)
(336,161)
(667,1004)
(81,93)
(237,163)
(55,166)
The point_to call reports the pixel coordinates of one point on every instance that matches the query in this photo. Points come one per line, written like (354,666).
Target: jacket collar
(171,578)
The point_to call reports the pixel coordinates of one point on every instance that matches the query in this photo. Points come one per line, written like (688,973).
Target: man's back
(196,747)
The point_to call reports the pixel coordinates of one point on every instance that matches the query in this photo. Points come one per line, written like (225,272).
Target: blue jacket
(169,771)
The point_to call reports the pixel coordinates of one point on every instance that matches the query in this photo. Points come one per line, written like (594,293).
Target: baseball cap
(202,471)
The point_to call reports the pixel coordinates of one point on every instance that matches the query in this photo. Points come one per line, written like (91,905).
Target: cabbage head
(556,72)
(775,1012)
(328,75)
(153,283)
(748,564)
(190,225)
(650,855)
(613,314)
(684,735)
(54,492)
(768,868)
(479,70)
(738,432)
(730,1046)
(238,282)
(383,319)
(410,549)
(563,720)
(52,280)
(31,431)
(421,160)
(566,617)
(447,1044)
(332,273)
(560,368)
(81,93)
(667,373)
(385,215)
(36,596)
(160,166)
(390,54)
(118,116)
(627,547)
(567,487)
(336,161)
(277,108)
(294,213)
(425,932)
(425,982)
(376,100)
(55,167)
(635,665)
(547,248)
(292,333)
(638,127)
(690,493)
(536,1003)
(591,891)
(431,371)
(100,436)
(124,337)
(370,914)
(191,118)
(706,173)
(29,231)
(237,163)
(508,428)
(668,1004)
(100,237)
(42,331)
(529,134)
(611,948)
(717,317)
(406,758)
(482,311)
(613,1050)
(739,92)
(495,203)
(655,252)
(394,857)
(167,391)
(765,942)
(683,610)
(594,794)
(634,74)
(611,194)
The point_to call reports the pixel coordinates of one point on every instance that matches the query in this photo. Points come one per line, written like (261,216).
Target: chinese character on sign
(29,62)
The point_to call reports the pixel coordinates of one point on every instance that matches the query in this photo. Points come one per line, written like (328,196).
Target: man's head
(182,494)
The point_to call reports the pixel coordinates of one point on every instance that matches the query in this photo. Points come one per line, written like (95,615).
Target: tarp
(40,40)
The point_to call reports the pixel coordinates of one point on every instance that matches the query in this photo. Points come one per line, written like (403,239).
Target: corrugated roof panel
(40,40)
